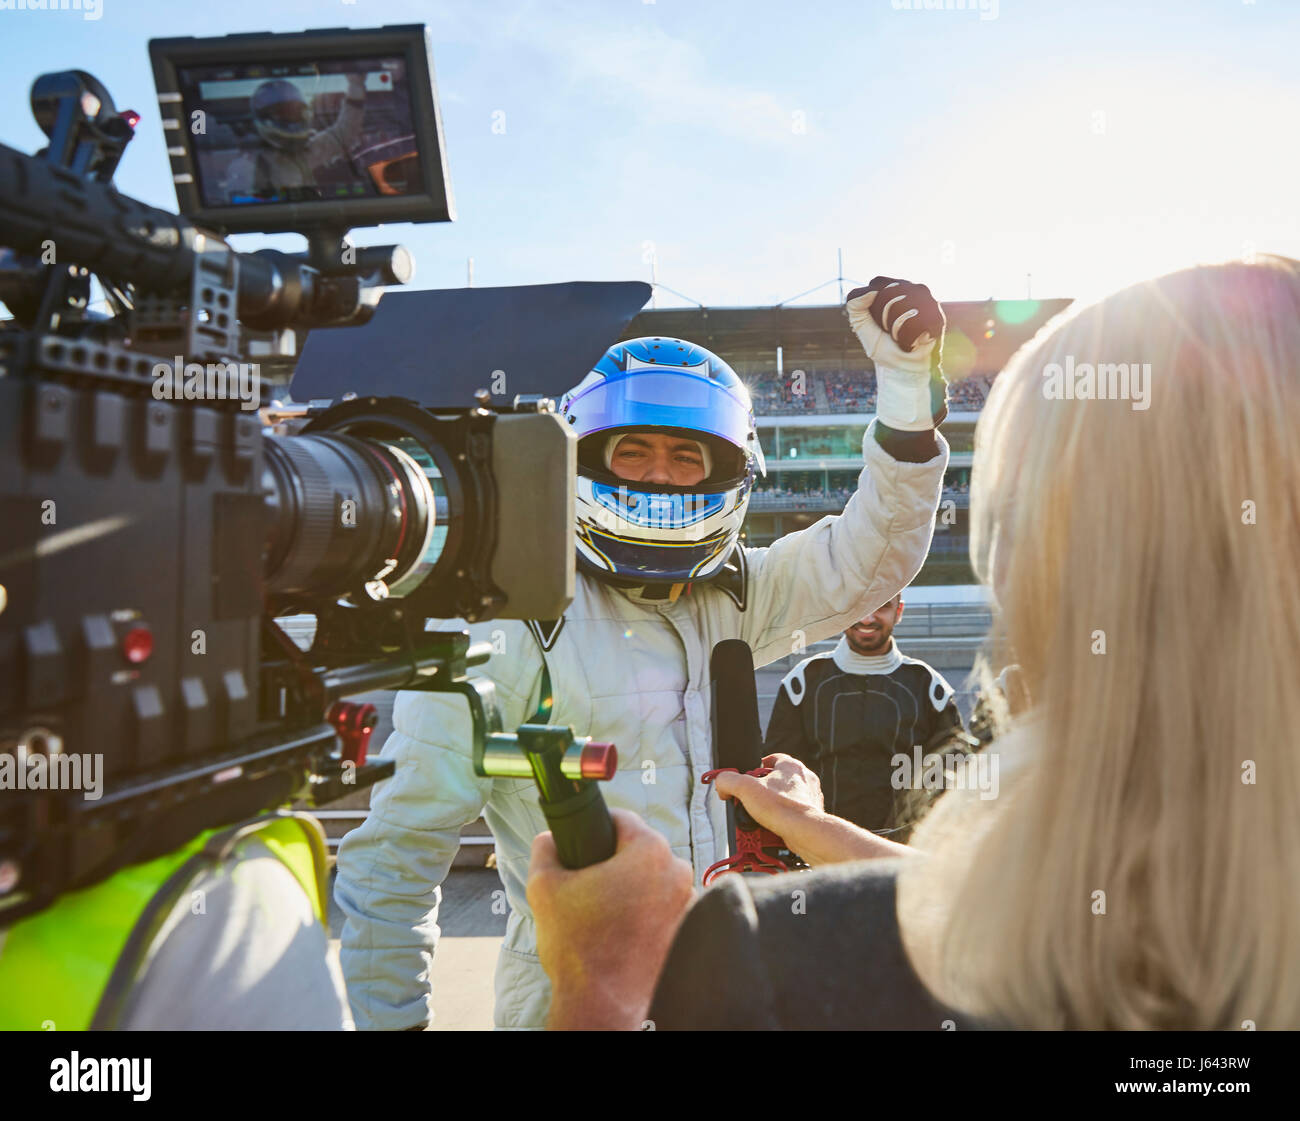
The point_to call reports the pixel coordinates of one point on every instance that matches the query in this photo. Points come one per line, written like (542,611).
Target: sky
(1003,147)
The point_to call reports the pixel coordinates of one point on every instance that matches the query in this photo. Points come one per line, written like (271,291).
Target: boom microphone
(738,744)
(737,735)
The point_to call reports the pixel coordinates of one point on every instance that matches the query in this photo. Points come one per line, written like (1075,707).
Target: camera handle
(567,770)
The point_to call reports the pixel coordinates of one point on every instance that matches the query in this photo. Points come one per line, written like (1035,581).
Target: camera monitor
(315,129)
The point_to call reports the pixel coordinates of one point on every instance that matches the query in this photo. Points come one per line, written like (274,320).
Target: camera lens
(352,515)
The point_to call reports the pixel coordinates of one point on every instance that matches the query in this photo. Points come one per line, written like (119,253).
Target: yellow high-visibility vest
(70,967)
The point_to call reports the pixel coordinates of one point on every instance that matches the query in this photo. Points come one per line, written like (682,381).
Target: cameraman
(662,579)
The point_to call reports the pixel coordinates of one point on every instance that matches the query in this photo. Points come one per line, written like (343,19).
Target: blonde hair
(1141,867)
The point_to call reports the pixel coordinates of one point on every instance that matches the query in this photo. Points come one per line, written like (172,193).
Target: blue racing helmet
(657,533)
(281,114)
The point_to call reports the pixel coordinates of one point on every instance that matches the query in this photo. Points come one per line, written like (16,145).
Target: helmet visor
(651,399)
(286,114)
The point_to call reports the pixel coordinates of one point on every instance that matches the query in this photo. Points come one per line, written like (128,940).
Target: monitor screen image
(335,130)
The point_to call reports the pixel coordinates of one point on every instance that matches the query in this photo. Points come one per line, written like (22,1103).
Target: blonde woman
(1140,865)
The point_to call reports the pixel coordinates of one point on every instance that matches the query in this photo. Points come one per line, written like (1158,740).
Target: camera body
(160,517)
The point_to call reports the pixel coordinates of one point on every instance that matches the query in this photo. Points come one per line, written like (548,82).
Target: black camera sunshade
(439,346)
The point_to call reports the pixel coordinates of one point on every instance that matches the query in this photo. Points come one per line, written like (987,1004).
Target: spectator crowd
(847,391)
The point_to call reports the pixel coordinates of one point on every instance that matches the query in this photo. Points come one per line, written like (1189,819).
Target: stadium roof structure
(982,334)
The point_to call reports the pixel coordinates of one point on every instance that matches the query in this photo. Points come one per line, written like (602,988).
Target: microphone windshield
(737,734)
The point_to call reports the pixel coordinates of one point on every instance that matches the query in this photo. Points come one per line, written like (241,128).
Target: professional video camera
(156,528)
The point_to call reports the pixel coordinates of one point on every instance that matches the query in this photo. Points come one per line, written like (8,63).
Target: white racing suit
(264,170)
(624,670)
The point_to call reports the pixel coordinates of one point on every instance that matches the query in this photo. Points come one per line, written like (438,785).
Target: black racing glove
(900,326)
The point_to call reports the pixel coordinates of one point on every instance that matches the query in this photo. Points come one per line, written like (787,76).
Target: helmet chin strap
(649,594)
(652,594)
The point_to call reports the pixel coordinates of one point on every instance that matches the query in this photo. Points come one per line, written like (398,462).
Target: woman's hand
(789,803)
(788,792)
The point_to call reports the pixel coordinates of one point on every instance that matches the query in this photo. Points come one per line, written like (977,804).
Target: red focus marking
(137,645)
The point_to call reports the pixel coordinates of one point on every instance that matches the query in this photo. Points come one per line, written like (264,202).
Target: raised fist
(903,310)
(900,326)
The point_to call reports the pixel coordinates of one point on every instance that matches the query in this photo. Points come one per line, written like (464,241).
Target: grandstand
(814,391)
